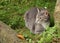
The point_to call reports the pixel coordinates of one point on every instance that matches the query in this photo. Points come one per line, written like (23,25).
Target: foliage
(48,35)
(12,11)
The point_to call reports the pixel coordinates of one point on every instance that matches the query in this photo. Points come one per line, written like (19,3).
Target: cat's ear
(47,13)
(38,10)
(26,15)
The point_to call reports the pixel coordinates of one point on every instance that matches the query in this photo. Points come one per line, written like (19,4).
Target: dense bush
(12,11)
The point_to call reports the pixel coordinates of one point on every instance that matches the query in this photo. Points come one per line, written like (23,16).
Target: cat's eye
(40,17)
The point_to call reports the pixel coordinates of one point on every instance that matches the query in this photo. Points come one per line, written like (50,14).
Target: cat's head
(42,16)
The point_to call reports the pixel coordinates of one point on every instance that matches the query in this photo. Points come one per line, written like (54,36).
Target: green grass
(46,37)
(12,12)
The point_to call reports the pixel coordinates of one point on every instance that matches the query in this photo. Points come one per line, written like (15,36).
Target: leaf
(20,36)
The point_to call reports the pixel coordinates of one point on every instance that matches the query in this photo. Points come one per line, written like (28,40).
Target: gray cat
(37,19)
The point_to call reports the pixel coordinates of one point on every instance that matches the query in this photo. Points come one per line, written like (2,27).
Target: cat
(36,19)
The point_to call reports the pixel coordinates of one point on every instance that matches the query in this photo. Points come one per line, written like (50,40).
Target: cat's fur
(37,19)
